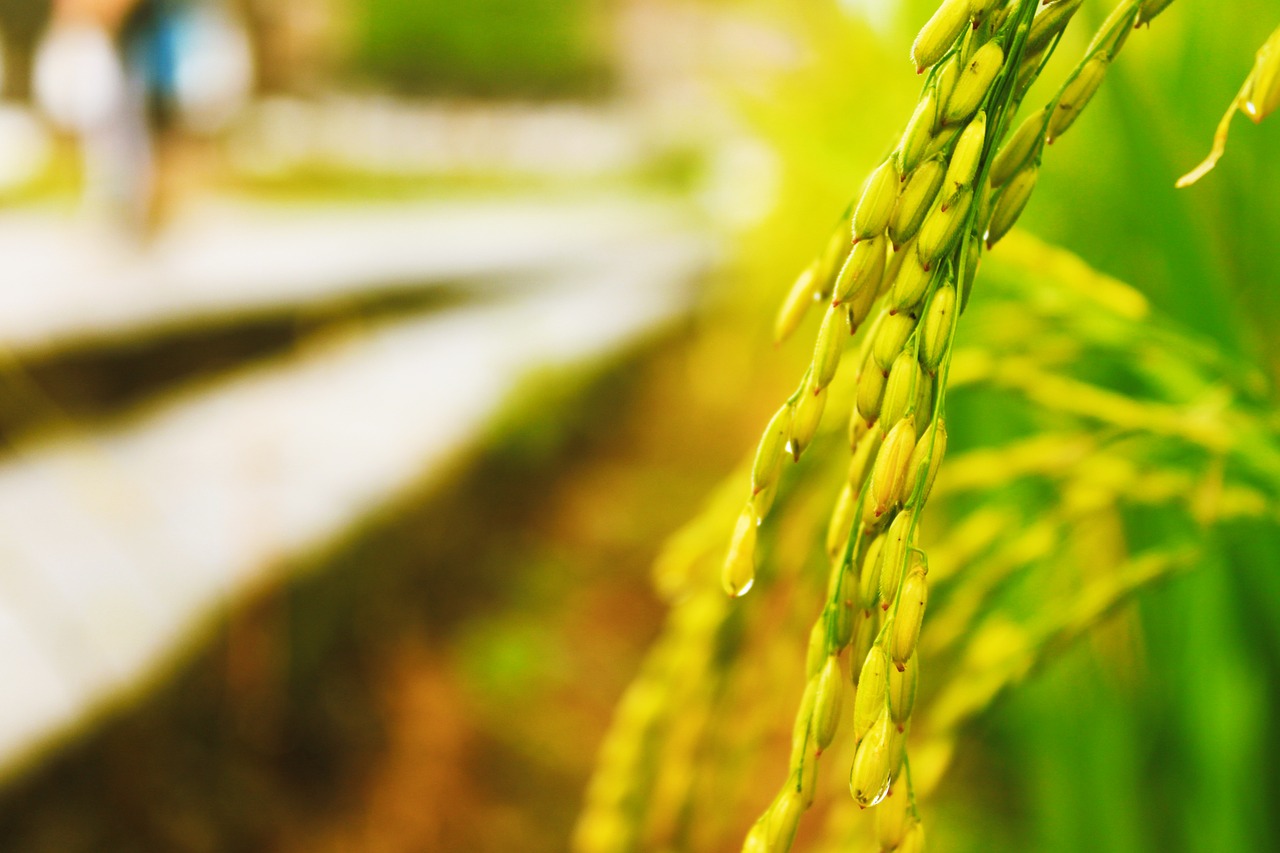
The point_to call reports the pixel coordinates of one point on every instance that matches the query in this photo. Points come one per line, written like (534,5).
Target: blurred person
(79,82)
(126,77)
(192,61)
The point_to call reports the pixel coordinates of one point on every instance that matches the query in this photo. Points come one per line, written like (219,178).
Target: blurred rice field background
(358,358)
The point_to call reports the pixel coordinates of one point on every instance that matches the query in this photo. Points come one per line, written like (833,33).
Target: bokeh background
(359,356)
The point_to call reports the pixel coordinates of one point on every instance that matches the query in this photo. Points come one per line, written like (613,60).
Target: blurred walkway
(72,282)
(114,545)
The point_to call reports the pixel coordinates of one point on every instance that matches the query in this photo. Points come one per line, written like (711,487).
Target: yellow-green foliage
(942,581)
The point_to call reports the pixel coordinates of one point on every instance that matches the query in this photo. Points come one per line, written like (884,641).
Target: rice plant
(921,586)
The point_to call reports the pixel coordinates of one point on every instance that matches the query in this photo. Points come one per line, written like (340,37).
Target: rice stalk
(1259,96)
(980,68)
